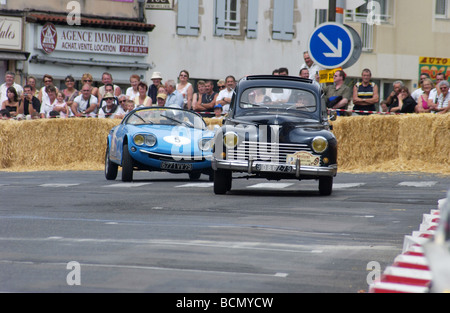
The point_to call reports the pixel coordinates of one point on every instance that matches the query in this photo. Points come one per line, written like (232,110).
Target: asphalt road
(165,234)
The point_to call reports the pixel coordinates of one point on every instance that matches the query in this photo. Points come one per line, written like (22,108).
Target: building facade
(215,38)
(212,39)
(61,38)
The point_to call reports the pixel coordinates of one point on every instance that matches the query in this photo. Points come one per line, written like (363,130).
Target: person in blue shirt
(174,97)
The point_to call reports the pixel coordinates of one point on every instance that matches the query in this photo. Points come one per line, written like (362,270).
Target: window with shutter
(252,19)
(227,17)
(283,19)
(187,19)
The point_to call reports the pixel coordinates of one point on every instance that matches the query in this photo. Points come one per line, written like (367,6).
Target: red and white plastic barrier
(410,272)
(365,112)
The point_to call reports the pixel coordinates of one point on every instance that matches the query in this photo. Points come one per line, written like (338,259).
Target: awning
(17,56)
(104,22)
(90,62)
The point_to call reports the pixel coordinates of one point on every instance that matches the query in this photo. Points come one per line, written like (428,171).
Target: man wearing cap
(153,89)
(218,111)
(111,109)
(161,99)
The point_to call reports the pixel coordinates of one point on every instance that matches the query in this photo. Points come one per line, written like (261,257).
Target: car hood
(293,129)
(172,139)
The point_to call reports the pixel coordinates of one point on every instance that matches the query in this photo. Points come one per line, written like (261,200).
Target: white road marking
(153,268)
(418,184)
(57,185)
(196,185)
(349,185)
(271,185)
(127,185)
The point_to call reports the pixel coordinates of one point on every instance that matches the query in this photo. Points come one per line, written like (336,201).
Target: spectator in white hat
(153,89)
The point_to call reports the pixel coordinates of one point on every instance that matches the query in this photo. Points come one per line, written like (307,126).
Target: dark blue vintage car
(277,128)
(159,139)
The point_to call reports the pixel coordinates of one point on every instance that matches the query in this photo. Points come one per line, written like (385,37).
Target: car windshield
(278,99)
(165,116)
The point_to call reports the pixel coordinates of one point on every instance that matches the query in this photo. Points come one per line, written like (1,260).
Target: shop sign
(159,4)
(327,76)
(11,29)
(77,39)
(433,66)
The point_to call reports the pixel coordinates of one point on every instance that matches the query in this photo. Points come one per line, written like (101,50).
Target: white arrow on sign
(337,52)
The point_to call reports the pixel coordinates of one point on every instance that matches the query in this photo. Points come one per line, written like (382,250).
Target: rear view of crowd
(109,101)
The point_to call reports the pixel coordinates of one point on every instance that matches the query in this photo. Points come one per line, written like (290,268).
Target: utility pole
(336,11)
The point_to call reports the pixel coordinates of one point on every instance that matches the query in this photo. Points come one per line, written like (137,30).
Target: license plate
(176,166)
(274,168)
(306,158)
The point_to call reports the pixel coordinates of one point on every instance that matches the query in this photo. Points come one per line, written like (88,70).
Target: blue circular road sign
(331,45)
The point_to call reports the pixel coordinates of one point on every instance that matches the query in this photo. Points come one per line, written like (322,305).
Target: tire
(111,168)
(325,185)
(222,181)
(195,176)
(127,165)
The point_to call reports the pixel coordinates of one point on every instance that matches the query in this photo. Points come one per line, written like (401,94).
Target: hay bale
(57,143)
(377,143)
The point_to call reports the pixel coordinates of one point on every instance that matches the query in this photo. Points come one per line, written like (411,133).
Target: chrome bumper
(251,166)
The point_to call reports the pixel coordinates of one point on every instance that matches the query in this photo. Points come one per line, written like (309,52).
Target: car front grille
(265,151)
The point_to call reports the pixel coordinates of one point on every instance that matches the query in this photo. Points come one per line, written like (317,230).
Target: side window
(187,22)
(283,19)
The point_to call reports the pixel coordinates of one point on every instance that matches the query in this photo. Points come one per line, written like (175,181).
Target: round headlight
(205,144)
(319,144)
(139,140)
(150,140)
(230,140)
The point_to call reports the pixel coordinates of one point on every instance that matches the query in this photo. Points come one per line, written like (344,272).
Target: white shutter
(219,17)
(283,19)
(187,21)
(252,19)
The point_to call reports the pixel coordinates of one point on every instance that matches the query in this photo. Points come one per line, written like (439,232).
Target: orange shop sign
(56,38)
(433,66)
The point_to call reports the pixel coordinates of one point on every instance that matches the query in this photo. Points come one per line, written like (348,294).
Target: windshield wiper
(257,105)
(188,124)
(142,119)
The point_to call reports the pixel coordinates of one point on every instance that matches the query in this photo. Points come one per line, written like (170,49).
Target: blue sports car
(159,139)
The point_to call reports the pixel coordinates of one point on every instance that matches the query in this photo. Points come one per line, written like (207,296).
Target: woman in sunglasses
(88,79)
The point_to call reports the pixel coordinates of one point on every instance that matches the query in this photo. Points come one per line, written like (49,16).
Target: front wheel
(127,165)
(110,167)
(325,185)
(195,175)
(222,181)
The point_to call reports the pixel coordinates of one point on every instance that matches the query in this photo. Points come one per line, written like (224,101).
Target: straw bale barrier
(411,143)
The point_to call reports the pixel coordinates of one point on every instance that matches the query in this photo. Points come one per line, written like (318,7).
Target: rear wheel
(127,165)
(111,168)
(326,185)
(222,181)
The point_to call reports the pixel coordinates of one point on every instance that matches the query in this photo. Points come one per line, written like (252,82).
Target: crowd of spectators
(109,101)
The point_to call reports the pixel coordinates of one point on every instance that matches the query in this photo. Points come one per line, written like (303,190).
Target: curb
(410,271)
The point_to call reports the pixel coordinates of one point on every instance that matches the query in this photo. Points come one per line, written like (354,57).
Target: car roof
(279,81)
